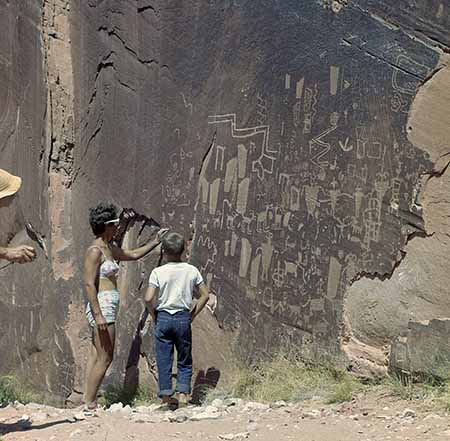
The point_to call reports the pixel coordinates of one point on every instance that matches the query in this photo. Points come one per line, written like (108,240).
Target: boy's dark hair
(103,212)
(173,243)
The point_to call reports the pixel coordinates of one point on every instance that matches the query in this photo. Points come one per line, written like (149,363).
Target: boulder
(424,350)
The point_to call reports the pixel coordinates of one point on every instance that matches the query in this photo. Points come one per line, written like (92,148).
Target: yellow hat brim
(13,187)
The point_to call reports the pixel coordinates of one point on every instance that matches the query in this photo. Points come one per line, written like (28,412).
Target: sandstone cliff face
(304,143)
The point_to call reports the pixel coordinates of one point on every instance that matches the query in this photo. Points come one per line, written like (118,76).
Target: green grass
(141,397)
(286,377)
(11,389)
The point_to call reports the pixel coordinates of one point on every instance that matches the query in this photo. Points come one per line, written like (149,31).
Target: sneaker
(183,400)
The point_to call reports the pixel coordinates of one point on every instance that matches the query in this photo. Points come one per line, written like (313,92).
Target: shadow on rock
(204,382)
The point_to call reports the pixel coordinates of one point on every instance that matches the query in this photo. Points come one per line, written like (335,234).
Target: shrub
(11,389)
(139,397)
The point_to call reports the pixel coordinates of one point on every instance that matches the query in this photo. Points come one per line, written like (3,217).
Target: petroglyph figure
(334,79)
(404,82)
(242,197)
(262,166)
(295,198)
(242,161)
(299,89)
(220,155)
(246,254)
(309,108)
(312,201)
(266,253)
(279,275)
(214,195)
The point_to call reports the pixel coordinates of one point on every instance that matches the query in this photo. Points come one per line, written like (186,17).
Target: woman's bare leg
(104,347)
(92,358)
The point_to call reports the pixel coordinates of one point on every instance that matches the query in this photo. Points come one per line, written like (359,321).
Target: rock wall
(302,143)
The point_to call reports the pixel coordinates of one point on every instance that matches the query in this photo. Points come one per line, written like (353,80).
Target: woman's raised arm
(137,253)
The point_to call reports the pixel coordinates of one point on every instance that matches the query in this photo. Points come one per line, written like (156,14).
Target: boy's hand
(201,302)
(193,308)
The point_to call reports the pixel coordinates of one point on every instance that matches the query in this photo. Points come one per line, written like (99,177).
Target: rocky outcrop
(423,351)
(417,290)
(303,144)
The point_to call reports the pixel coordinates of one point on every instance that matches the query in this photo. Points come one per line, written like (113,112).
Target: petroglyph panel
(317,185)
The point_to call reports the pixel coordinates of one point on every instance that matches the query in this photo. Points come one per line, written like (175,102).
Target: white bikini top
(108,268)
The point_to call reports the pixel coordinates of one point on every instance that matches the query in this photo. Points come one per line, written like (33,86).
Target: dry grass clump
(12,389)
(143,396)
(431,392)
(287,377)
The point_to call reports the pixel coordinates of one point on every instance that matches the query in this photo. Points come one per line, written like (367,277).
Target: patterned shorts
(109,305)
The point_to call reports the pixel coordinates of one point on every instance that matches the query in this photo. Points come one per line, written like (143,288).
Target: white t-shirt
(176,282)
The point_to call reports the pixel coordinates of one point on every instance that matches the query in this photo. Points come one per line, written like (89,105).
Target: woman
(100,278)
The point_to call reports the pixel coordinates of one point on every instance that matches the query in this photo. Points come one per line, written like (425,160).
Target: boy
(169,300)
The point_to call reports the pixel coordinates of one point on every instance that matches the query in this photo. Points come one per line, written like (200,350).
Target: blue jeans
(173,331)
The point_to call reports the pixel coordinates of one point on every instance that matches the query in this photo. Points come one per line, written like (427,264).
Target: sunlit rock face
(291,141)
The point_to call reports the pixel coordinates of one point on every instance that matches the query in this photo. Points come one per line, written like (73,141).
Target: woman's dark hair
(100,214)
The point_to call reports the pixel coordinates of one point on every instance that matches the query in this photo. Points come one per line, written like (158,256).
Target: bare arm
(137,253)
(202,301)
(150,297)
(91,264)
(19,254)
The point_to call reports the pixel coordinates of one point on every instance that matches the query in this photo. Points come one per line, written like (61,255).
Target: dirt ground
(371,416)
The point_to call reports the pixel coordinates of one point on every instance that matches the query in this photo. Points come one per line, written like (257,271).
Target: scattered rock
(408,413)
(178,417)
(278,404)
(18,405)
(217,403)
(210,413)
(24,421)
(229,402)
(141,418)
(384,417)
(232,436)
(80,416)
(75,433)
(127,410)
(314,413)
(251,405)
(116,407)
(433,416)
(143,409)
